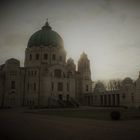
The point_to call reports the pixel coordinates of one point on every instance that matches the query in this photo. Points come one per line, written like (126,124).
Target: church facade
(47,78)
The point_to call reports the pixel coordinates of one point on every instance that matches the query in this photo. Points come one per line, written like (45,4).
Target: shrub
(115,115)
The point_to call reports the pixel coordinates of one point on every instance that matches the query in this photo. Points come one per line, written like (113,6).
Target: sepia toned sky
(107,30)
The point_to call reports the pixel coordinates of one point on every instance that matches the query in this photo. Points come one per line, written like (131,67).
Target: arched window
(57,73)
(13,84)
(34,86)
(12,100)
(45,56)
(53,57)
(60,58)
(37,56)
(60,86)
(28,86)
(30,57)
(87,88)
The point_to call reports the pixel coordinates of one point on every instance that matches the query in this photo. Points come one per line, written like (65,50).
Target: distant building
(47,78)
(127,95)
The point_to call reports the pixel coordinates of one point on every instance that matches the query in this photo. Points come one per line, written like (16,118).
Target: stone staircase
(58,103)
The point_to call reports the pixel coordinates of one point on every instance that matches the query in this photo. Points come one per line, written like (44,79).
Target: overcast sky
(107,30)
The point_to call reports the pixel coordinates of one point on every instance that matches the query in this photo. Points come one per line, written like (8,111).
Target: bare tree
(114,84)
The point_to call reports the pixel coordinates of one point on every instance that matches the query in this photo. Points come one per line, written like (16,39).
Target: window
(34,86)
(28,86)
(13,73)
(53,57)
(35,73)
(30,57)
(101,99)
(132,98)
(87,78)
(13,84)
(68,87)
(37,56)
(32,73)
(13,92)
(70,74)
(60,97)
(12,100)
(52,86)
(67,97)
(60,58)
(87,88)
(123,96)
(57,73)
(27,102)
(64,75)
(45,56)
(60,87)
(28,73)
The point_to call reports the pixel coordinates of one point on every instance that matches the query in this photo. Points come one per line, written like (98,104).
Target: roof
(45,37)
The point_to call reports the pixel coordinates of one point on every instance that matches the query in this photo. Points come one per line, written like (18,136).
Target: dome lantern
(47,26)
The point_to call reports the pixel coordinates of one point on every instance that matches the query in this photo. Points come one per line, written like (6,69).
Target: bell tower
(84,67)
(85,74)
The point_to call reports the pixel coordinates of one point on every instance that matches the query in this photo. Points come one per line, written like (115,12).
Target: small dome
(70,61)
(44,37)
(99,87)
(70,64)
(127,81)
(13,61)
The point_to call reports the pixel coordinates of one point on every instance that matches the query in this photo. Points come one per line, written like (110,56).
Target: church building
(47,78)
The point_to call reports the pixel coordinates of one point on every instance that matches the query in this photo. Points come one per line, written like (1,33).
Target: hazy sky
(107,30)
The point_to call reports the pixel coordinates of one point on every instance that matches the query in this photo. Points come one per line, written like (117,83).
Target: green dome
(46,36)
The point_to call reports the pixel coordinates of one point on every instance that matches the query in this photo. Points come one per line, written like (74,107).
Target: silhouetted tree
(114,84)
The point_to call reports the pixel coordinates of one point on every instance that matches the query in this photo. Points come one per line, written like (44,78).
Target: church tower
(84,67)
(85,81)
